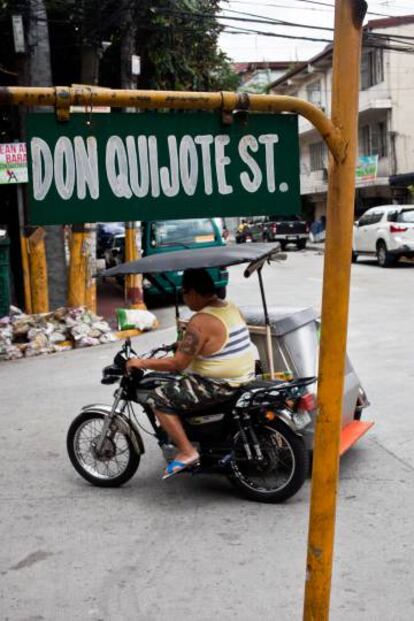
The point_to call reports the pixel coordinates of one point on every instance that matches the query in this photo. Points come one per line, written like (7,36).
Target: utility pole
(129,73)
(84,236)
(40,74)
(349,16)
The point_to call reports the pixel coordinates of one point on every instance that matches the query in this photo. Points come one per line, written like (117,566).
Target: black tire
(384,258)
(354,257)
(299,468)
(283,245)
(301,244)
(221,292)
(131,465)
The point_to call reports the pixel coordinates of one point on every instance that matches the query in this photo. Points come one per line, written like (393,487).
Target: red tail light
(398,229)
(307,402)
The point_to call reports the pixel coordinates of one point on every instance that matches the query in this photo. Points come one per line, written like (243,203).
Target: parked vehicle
(386,232)
(262,437)
(115,253)
(105,233)
(161,236)
(283,229)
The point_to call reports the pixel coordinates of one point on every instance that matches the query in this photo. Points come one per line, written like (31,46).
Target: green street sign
(161,166)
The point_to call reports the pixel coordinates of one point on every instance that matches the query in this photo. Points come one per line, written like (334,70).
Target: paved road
(190,547)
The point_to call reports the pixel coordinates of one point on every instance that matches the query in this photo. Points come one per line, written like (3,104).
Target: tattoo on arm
(190,343)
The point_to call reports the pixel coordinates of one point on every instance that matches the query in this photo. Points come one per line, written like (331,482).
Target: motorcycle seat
(259,383)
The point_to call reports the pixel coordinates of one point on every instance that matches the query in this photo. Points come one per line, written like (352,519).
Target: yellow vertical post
(38,272)
(90,266)
(349,15)
(26,273)
(133,282)
(77,267)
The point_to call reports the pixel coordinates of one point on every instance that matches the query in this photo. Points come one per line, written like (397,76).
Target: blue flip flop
(175,467)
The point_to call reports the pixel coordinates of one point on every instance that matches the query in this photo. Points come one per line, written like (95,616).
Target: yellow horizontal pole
(63,97)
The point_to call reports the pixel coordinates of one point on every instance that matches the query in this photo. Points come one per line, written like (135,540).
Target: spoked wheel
(115,464)
(281,473)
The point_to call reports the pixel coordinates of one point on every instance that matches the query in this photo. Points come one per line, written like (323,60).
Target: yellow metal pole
(63,97)
(77,267)
(133,282)
(349,16)
(26,274)
(38,272)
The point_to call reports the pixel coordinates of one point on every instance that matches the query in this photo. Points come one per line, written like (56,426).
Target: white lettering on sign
(188,165)
(205,142)
(64,167)
(135,168)
(86,159)
(117,167)
(67,165)
(250,184)
(222,161)
(269,140)
(138,176)
(42,168)
(170,181)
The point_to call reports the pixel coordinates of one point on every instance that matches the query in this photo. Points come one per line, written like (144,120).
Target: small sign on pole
(135,64)
(13,163)
(18,34)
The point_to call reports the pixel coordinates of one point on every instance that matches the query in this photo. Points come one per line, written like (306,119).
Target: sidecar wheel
(283,471)
(115,466)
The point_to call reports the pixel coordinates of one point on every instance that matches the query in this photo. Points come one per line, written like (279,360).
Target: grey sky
(254,47)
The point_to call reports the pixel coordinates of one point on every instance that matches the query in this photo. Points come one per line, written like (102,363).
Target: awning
(214,256)
(402,181)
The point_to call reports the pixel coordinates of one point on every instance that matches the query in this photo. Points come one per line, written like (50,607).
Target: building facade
(385,125)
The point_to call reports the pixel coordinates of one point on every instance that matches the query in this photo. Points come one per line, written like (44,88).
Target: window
(373,139)
(317,152)
(313,93)
(406,216)
(364,220)
(182,232)
(375,217)
(372,68)
(370,218)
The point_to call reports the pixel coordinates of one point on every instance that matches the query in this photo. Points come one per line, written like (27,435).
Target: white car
(386,232)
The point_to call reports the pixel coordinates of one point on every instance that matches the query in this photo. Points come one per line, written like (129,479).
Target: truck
(283,229)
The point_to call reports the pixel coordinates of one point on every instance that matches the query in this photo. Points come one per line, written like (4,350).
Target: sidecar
(286,338)
(294,338)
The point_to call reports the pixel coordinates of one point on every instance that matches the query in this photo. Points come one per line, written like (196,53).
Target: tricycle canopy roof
(216,256)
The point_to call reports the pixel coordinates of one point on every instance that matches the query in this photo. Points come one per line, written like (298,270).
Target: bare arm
(188,348)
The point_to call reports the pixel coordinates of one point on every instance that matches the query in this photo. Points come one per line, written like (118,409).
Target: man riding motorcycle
(216,356)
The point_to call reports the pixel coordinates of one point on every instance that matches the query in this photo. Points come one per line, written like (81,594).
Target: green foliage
(176,39)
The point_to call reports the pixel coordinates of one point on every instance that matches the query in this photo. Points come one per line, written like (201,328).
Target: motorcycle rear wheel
(114,467)
(284,469)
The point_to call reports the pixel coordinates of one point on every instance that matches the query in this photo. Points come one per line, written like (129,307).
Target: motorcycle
(261,437)
(255,437)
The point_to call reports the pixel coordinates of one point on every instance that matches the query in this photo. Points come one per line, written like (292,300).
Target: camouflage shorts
(190,393)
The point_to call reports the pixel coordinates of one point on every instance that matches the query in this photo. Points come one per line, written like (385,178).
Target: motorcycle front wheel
(115,464)
(281,473)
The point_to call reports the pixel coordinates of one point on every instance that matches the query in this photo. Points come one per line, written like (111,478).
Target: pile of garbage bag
(23,335)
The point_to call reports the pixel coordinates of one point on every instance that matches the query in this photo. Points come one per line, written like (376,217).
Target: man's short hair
(198,280)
